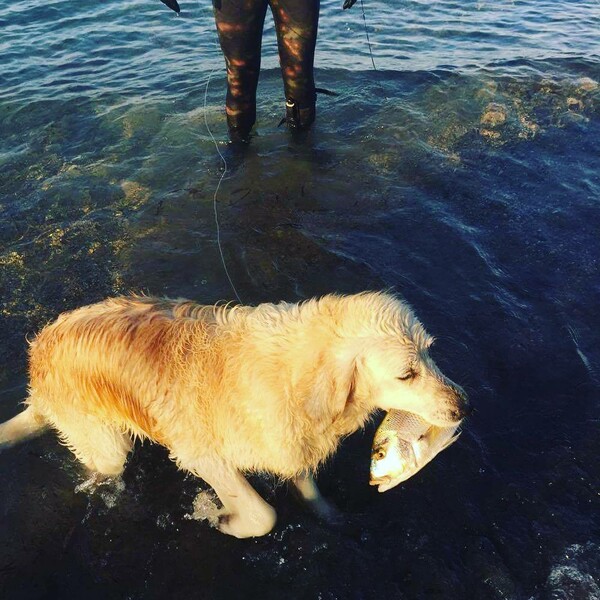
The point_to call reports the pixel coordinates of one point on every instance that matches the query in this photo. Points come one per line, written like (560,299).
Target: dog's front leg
(307,488)
(245,513)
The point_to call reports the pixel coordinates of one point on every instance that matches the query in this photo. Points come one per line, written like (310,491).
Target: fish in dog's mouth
(403,444)
(385,483)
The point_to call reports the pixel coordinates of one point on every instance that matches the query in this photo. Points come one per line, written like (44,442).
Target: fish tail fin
(450,441)
(440,438)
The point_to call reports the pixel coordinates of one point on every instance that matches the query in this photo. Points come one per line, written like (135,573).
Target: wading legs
(296,23)
(240,26)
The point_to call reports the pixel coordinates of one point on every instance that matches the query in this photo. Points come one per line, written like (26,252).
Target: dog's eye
(406,377)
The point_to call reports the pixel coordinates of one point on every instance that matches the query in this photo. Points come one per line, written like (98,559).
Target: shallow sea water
(462,173)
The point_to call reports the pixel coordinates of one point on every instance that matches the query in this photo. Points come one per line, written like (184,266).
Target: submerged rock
(575,576)
(494,115)
(587,84)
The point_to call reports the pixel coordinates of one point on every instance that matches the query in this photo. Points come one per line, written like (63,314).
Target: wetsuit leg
(296,23)
(240,27)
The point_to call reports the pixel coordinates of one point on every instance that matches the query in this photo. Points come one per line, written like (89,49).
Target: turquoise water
(462,173)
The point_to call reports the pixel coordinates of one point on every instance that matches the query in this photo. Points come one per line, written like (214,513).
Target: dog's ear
(332,389)
(345,390)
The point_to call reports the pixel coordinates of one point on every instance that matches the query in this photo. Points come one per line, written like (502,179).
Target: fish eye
(379,454)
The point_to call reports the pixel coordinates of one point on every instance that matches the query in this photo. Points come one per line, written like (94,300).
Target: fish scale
(412,426)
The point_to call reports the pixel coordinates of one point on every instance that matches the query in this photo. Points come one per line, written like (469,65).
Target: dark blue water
(463,173)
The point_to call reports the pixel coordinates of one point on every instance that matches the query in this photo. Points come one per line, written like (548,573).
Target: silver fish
(403,444)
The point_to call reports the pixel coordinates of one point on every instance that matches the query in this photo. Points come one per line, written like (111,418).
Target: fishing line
(215,208)
(362,6)
(216,194)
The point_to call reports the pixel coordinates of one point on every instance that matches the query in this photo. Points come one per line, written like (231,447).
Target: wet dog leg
(307,488)
(245,513)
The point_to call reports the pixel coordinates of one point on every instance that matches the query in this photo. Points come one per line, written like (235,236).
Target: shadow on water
(472,195)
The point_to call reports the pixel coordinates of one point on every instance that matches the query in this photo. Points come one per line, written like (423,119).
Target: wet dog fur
(230,389)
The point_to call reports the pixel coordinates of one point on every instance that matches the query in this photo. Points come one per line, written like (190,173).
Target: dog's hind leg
(25,425)
(307,488)
(245,514)
(100,446)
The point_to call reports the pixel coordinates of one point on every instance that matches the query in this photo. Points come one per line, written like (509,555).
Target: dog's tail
(27,424)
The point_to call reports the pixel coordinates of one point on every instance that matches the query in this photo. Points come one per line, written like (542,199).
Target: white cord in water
(217,191)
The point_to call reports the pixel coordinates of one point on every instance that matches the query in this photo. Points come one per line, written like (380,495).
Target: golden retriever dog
(230,389)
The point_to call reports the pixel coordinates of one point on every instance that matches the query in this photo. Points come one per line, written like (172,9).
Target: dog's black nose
(465,408)
(461,413)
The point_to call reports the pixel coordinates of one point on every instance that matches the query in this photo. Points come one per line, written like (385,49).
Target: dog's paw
(245,526)
(327,512)
(97,480)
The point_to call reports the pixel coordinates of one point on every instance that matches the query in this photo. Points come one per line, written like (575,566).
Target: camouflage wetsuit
(240,26)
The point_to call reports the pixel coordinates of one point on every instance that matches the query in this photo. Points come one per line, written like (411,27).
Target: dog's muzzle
(464,408)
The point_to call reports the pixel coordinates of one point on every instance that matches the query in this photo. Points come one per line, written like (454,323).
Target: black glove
(172,4)
(347,4)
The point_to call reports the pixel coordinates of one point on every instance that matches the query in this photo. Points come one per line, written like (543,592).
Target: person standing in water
(240,27)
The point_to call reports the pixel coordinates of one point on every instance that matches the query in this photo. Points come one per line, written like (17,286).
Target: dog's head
(376,355)
(394,370)
(396,375)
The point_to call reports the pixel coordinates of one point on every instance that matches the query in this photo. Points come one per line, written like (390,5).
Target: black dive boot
(240,127)
(299,119)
